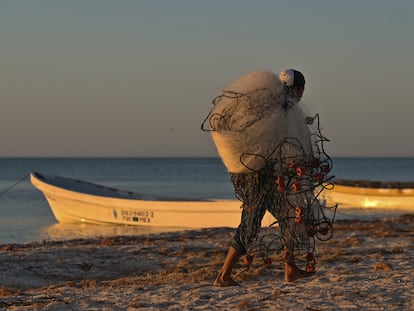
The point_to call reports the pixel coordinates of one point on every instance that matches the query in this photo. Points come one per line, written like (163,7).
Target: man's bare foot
(225,283)
(292,272)
(224,278)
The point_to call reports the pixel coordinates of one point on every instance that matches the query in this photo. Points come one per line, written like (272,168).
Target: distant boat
(371,194)
(74,201)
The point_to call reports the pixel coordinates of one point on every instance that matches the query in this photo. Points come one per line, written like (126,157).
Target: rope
(14,185)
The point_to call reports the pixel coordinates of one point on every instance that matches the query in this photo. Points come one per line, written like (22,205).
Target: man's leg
(252,214)
(292,272)
(224,278)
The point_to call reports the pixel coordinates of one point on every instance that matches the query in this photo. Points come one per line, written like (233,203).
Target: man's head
(294,81)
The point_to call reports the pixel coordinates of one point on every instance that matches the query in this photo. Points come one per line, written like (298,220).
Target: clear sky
(136,78)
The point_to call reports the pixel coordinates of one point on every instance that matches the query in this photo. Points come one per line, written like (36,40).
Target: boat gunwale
(401,190)
(374,184)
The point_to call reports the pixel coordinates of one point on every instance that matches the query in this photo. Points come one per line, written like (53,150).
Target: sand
(367,265)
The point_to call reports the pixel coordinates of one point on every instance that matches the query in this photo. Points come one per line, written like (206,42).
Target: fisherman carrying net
(276,162)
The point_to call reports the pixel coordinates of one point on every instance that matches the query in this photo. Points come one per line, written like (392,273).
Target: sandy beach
(367,265)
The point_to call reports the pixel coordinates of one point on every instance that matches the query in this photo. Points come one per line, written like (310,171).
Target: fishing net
(245,121)
(277,162)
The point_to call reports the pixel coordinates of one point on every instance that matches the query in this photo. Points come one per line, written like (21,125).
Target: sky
(136,78)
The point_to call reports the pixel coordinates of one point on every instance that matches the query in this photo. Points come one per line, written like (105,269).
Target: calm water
(26,217)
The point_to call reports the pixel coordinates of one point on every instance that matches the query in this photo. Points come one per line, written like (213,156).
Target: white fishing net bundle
(249,120)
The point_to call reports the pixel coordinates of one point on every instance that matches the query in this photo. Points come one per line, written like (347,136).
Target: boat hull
(69,205)
(368,197)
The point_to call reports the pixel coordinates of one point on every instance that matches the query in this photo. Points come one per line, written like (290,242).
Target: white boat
(74,201)
(371,194)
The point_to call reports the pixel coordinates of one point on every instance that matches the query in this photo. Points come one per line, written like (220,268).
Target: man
(257,190)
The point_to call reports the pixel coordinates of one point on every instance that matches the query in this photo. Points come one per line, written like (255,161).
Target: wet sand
(367,265)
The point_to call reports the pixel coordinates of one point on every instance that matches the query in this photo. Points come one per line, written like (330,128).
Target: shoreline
(366,265)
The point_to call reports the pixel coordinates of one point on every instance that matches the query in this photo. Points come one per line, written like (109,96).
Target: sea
(25,216)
